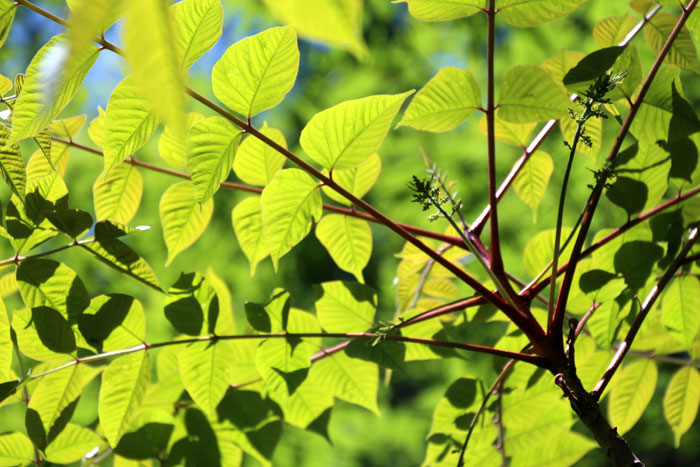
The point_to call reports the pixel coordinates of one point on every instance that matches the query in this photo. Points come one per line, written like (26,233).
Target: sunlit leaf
(197,27)
(67,127)
(534,12)
(73,444)
(357,180)
(559,65)
(117,11)
(449,98)
(117,193)
(183,219)
(211,147)
(123,385)
(346,135)
(611,31)
(11,163)
(681,401)
(528,94)
(345,306)
(271,316)
(442,10)
(192,306)
(113,322)
(283,364)
(631,393)
(350,379)
(682,52)
(680,309)
(540,249)
(628,193)
(348,241)
(256,162)
(46,91)
(5,341)
(531,182)
(16,449)
(255,73)
(59,345)
(96,128)
(7,14)
(289,203)
(517,134)
(247,223)
(205,368)
(170,145)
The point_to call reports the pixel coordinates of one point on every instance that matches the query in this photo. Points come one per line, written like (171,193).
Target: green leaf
(681,401)
(680,309)
(11,164)
(345,306)
(183,219)
(531,182)
(7,14)
(635,261)
(651,165)
(206,371)
(247,223)
(170,145)
(559,65)
(225,322)
(8,285)
(628,193)
(517,134)
(197,28)
(271,316)
(336,23)
(147,436)
(72,445)
(113,322)
(357,180)
(682,52)
(53,330)
(348,241)
(528,13)
(528,94)
(611,31)
(123,386)
(211,147)
(96,128)
(289,203)
(43,140)
(255,73)
(442,10)
(44,282)
(192,306)
(592,66)
(67,127)
(45,94)
(631,393)
(5,340)
(283,364)
(16,449)
(346,135)
(306,406)
(447,100)
(129,122)
(150,40)
(52,405)
(38,346)
(353,380)
(256,162)
(389,354)
(117,193)
(5,82)
(539,250)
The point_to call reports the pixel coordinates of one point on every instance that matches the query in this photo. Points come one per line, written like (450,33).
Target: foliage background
(404,54)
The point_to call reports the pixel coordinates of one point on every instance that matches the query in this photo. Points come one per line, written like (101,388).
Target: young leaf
(73,444)
(113,322)
(256,162)
(211,147)
(247,223)
(681,401)
(347,134)
(442,10)
(117,12)
(46,92)
(289,203)
(535,12)
(357,180)
(345,306)
(348,241)
(152,52)
(531,182)
(16,449)
(631,393)
(11,164)
(336,23)
(449,98)
(183,219)
(682,53)
(123,385)
(680,309)
(225,320)
(528,94)
(170,145)
(197,28)
(39,167)
(206,371)
(255,73)
(116,193)
(128,123)
(353,380)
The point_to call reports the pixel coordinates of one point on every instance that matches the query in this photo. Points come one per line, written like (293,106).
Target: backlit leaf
(205,369)
(113,322)
(11,163)
(96,128)
(443,10)
(449,98)
(120,256)
(255,73)
(531,182)
(7,14)
(283,364)
(170,145)
(183,219)
(611,31)
(539,250)
(680,309)
(528,94)
(347,134)
(123,385)
(345,306)
(358,180)
(16,449)
(256,162)
(247,223)
(197,27)
(353,380)
(35,345)
(192,306)
(67,127)
(117,193)
(534,12)
(289,203)
(681,401)
(517,134)
(631,393)
(348,241)
(211,147)
(682,52)
(72,445)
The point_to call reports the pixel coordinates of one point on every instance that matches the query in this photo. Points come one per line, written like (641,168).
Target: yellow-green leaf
(96,128)
(289,203)
(358,180)
(255,73)
(117,194)
(211,147)
(443,10)
(170,145)
(5,82)
(680,309)
(531,182)
(123,386)
(7,14)
(16,449)
(528,94)
(447,100)
(129,122)
(348,241)
(256,162)
(517,134)
(67,127)
(247,223)
(345,306)
(152,52)
(355,381)
(113,322)
(12,164)
(87,21)
(631,393)
(46,91)
(117,11)
(346,135)
(612,31)
(197,27)
(72,445)
(183,219)
(528,13)
(681,401)
(206,371)
(283,364)
(682,53)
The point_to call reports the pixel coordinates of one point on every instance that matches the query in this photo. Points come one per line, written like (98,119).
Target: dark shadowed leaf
(635,261)
(629,194)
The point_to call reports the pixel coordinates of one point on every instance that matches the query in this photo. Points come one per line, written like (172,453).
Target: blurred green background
(404,54)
